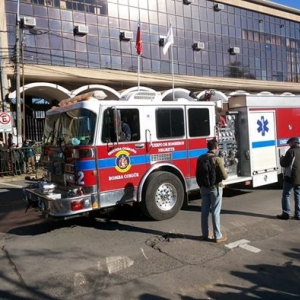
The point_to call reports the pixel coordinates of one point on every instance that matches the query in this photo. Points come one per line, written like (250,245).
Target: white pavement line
(237,243)
(144,253)
(250,248)
(13,185)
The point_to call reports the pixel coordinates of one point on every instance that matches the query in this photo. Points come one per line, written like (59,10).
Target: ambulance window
(169,122)
(199,122)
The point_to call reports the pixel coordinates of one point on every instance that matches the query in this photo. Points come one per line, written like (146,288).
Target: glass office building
(234,41)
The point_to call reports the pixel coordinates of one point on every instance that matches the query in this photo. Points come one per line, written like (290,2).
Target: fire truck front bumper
(57,203)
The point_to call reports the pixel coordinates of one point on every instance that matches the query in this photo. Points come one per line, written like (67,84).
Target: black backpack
(206,171)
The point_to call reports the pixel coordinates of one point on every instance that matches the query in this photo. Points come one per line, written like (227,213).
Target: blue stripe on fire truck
(197,152)
(85,165)
(263,144)
(136,160)
(179,155)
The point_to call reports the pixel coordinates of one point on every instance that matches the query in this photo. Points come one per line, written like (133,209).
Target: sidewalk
(22,177)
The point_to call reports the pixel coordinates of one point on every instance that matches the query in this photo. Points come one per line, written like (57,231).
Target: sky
(290,3)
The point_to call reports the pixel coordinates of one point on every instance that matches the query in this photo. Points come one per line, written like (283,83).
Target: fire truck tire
(163,196)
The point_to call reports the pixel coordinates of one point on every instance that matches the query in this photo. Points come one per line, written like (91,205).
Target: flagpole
(169,41)
(139,51)
(138,72)
(172,70)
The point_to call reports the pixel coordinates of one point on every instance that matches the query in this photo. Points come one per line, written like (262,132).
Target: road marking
(144,253)
(237,243)
(244,244)
(13,185)
(250,248)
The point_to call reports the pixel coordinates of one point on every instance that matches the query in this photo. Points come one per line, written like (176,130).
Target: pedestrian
(4,158)
(291,181)
(29,157)
(10,140)
(211,189)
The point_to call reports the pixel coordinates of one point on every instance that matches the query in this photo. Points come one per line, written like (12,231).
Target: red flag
(139,45)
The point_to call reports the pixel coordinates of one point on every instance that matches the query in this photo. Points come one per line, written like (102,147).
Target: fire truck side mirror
(117,123)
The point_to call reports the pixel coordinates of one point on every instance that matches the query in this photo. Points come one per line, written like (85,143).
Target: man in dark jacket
(291,160)
(212,196)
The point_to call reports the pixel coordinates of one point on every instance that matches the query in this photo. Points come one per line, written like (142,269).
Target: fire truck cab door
(262,140)
(122,158)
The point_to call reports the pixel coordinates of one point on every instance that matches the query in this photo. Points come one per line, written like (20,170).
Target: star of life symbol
(262,126)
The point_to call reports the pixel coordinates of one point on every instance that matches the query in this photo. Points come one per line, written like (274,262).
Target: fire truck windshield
(74,127)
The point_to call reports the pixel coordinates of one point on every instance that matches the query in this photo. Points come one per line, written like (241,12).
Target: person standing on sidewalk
(4,158)
(211,189)
(291,162)
(10,140)
(29,157)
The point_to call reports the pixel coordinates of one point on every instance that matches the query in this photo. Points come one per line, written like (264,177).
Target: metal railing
(20,160)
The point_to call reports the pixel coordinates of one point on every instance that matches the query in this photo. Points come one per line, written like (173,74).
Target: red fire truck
(94,162)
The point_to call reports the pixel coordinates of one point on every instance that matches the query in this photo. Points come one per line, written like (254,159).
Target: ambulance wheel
(163,196)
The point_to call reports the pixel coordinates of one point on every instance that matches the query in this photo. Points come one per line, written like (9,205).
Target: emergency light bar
(87,96)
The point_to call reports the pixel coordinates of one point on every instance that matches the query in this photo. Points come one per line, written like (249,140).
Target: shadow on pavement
(14,220)
(267,282)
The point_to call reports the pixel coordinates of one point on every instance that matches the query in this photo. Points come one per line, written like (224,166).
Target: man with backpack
(291,162)
(210,172)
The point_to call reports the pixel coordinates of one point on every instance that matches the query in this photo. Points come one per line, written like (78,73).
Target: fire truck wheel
(163,196)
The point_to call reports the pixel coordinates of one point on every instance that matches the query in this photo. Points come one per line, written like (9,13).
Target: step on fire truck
(92,165)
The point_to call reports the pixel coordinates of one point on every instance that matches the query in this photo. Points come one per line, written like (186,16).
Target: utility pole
(3,94)
(19,115)
(23,84)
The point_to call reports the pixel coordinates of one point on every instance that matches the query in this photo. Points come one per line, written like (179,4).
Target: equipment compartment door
(263,147)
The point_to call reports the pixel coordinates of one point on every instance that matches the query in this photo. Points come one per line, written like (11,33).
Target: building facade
(224,45)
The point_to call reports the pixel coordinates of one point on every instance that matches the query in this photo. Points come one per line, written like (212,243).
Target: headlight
(70,178)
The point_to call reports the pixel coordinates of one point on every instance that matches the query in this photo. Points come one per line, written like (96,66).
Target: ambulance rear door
(262,145)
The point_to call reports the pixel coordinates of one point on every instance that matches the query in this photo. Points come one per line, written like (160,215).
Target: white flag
(169,40)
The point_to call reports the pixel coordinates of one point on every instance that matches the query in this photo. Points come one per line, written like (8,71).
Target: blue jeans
(285,199)
(211,200)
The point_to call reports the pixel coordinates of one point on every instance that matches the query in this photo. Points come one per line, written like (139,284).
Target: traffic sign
(5,122)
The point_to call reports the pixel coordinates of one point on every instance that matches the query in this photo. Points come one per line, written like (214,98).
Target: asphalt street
(123,255)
